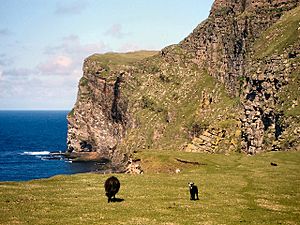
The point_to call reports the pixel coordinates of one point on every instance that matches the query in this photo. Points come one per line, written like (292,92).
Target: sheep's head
(191,184)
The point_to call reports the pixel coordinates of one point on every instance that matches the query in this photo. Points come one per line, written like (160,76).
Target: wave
(36,153)
(46,155)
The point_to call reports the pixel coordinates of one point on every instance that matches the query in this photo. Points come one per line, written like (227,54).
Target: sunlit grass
(113,59)
(233,189)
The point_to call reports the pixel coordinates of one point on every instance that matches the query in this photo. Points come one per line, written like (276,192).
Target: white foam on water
(36,153)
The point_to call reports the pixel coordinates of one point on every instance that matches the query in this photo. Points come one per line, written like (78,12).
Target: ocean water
(27,139)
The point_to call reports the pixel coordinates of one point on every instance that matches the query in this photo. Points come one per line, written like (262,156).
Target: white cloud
(72,46)
(36,89)
(63,61)
(5,32)
(67,57)
(61,65)
(1,73)
(116,31)
(53,82)
(70,8)
(17,73)
(5,60)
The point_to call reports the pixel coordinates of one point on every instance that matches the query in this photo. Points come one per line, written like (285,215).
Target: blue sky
(43,42)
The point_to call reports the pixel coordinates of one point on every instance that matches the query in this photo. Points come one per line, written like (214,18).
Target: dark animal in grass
(112,186)
(193,191)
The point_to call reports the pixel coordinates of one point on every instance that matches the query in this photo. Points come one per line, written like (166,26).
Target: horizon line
(36,109)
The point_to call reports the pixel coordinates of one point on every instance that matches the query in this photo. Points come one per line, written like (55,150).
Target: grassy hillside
(234,189)
(280,36)
(169,97)
(113,59)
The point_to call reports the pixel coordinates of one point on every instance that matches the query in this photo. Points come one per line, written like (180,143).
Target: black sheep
(193,191)
(112,186)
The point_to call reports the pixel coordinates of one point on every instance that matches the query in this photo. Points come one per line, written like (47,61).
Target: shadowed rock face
(176,100)
(99,119)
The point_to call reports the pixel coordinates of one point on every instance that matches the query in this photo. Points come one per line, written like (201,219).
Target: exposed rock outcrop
(224,44)
(100,117)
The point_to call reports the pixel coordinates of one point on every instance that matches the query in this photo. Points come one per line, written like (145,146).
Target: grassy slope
(233,189)
(280,36)
(113,59)
(166,101)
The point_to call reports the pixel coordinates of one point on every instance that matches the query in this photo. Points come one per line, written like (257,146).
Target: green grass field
(234,189)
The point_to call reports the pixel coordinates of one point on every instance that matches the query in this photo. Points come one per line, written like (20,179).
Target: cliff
(228,44)
(231,85)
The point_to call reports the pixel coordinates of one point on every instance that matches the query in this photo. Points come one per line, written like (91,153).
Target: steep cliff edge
(100,118)
(231,85)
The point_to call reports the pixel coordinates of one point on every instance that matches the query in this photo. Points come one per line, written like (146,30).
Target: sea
(28,140)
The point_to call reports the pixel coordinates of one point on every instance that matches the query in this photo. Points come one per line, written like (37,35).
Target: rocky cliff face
(225,45)
(231,85)
(100,116)
(271,113)
(223,42)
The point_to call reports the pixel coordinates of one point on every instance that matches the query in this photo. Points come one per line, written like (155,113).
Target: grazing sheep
(177,171)
(193,191)
(112,186)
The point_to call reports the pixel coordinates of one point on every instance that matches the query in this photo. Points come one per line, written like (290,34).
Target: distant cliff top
(239,6)
(114,58)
